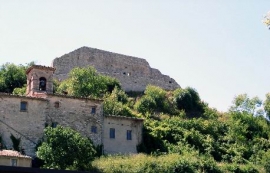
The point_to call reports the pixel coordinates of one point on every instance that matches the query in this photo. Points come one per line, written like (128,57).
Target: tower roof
(40,67)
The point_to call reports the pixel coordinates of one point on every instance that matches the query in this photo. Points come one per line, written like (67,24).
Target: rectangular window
(13,162)
(23,106)
(129,135)
(112,133)
(93,129)
(93,110)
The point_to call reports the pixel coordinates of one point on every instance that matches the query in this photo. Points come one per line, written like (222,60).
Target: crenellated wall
(133,73)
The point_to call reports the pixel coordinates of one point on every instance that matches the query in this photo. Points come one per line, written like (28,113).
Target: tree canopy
(86,82)
(65,148)
(12,76)
(243,103)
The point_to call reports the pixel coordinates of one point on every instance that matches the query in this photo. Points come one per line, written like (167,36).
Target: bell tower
(39,81)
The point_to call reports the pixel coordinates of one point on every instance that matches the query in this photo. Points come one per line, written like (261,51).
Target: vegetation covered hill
(181,132)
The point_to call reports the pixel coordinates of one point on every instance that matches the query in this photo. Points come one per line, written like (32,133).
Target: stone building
(133,73)
(26,117)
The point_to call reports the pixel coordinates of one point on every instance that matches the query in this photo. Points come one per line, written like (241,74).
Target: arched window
(42,84)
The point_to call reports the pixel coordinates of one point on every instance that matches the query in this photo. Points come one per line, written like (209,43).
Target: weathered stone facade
(35,74)
(27,124)
(133,73)
(26,116)
(120,143)
(76,113)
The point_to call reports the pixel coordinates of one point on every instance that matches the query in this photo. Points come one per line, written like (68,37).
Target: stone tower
(39,81)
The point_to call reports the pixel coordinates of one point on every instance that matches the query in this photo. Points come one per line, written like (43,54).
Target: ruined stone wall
(76,113)
(27,125)
(120,144)
(133,73)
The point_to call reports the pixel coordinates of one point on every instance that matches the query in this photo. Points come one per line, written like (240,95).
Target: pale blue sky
(219,47)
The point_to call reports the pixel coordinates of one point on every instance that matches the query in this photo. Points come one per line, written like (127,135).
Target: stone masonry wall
(27,125)
(76,113)
(133,73)
(120,144)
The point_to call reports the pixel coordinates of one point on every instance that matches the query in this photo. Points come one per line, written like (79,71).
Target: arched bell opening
(42,84)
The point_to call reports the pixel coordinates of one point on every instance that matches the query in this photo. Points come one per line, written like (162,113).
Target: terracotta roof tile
(125,117)
(39,67)
(13,153)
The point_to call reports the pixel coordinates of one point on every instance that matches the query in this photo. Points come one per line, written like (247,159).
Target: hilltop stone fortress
(133,73)
(25,117)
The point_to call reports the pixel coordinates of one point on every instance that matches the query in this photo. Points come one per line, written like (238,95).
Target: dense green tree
(85,82)
(155,99)
(243,103)
(188,99)
(64,148)
(183,99)
(12,76)
(156,93)
(266,160)
(146,105)
(115,103)
(267,105)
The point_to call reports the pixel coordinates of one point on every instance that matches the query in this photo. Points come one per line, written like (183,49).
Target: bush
(266,161)
(64,148)
(142,163)
(234,167)
(146,105)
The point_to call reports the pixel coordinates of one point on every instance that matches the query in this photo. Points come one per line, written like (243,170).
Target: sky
(220,48)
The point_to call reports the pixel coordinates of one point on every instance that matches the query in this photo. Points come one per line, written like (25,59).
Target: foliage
(267,105)
(20,91)
(188,99)
(16,142)
(12,76)
(155,99)
(86,82)
(242,103)
(146,105)
(56,84)
(115,103)
(266,161)
(187,162)
(65,148)
(183,99)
